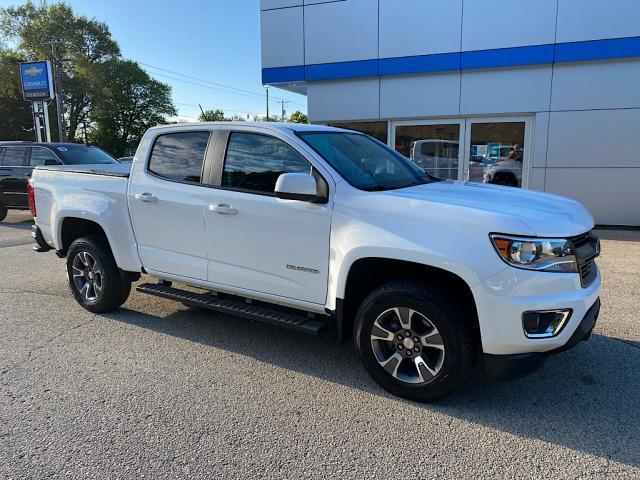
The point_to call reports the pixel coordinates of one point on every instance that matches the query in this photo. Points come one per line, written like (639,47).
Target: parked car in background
(506,170)
(436,157)
(18,159)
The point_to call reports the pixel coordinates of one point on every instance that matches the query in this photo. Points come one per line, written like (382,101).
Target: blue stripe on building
(457,61)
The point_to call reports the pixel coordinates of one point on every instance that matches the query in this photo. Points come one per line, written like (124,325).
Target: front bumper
(510,367)
(503,298)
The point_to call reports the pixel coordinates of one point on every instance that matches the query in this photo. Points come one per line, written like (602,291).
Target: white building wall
(597,19)
(419,27)
(284,29)
(508,23)
(434,95)
(344,100)
(585,114)
(341,31)
(506,90)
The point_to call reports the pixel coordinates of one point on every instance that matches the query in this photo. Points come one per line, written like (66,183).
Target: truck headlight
(543,254)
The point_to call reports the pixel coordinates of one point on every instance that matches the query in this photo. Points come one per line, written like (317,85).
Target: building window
(377,130)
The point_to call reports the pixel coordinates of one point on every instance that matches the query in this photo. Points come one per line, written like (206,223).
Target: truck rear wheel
(3,212)
(93,276)
(414,341)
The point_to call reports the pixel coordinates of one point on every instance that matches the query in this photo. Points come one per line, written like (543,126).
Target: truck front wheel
(93,276)
(414,341)
(3,212)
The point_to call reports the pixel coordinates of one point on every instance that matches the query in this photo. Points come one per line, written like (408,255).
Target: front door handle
(223,209)
(146,197)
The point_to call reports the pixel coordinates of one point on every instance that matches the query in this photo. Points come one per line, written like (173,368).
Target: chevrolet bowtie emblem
(33,71)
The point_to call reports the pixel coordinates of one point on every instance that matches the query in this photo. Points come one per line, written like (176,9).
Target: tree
(212,116)
(218,115)
(130,102)
(82,44)
(113,100)
(298,117)
(16,120)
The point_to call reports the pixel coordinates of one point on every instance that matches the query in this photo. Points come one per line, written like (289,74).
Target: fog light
(544,324)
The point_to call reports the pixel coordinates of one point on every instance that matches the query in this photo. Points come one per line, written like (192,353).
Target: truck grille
(587,248)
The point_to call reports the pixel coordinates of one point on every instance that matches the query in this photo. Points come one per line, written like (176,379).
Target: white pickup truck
(306,226)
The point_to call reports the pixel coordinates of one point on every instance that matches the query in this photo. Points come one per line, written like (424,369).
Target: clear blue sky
(214,40)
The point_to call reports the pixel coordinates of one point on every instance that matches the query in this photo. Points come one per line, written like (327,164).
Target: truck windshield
(83,155)
(364,162)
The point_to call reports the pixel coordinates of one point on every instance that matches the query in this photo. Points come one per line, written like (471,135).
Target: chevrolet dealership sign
(36,81)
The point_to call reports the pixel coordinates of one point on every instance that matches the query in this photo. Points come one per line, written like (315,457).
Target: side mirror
(297,186)
(51,161)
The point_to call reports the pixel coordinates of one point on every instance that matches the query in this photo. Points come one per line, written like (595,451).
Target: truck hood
(546,215)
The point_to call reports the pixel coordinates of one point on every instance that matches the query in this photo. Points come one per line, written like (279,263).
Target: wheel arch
(367,273)
(72,228)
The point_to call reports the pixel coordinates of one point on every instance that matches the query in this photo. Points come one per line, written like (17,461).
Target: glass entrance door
(432,145)
(497,151)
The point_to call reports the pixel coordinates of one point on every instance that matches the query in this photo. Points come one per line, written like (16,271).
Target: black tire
(90,252)
(3,212)
(506,179)
(434,311)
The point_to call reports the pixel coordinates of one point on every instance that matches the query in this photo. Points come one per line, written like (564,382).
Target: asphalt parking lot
(161,391)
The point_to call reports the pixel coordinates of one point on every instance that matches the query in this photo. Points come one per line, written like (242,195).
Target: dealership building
(538,94)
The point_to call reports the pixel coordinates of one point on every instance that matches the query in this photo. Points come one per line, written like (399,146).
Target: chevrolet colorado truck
(306,226)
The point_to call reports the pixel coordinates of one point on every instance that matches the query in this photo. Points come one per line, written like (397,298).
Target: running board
(235,307)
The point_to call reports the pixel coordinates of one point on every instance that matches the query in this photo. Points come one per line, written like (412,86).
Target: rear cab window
(179,156)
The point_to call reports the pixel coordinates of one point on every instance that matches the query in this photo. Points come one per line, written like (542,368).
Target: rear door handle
(223,209)
(146,197)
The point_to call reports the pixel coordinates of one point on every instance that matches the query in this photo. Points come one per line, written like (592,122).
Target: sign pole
(38,125)
(47,125)
(58,88)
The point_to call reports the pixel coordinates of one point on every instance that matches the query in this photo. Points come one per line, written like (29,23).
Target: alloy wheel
(407,345)
(87,276)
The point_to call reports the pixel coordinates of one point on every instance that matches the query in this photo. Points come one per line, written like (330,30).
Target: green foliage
(16,121)
(218,115)
(129,103)
(298,117)
(90,58)
(212,116)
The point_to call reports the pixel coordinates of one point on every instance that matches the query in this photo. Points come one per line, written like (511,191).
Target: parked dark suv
(18,159)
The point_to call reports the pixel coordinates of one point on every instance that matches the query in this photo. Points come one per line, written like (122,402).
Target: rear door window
(39,155)
(179,156)
(14,156)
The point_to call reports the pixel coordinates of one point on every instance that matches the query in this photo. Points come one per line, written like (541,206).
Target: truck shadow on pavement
(587,399)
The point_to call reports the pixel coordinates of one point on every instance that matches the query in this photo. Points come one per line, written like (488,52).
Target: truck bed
(116,170)
(95,193)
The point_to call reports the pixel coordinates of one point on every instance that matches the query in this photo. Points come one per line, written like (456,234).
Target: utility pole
(284,112)
(267,88)
(57,69)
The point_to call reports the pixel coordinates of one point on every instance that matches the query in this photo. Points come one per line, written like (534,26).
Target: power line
(207,107)
(220,85)
(252,95)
